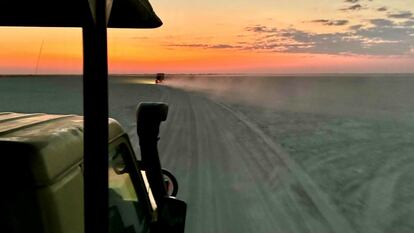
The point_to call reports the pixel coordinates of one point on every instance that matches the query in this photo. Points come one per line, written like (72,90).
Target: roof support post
(95,105)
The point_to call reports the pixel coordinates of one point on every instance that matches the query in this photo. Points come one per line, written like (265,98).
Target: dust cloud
(350,95)
(236,89)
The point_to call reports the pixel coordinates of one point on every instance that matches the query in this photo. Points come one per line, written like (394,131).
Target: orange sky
(263,36)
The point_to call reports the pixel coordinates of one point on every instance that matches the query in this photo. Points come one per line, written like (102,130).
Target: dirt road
(234,177)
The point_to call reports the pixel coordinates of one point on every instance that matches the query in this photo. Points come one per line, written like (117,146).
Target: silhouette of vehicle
(46,194)
(67,173)
(159,78)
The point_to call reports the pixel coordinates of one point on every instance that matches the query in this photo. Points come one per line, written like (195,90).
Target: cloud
(320,21)
(189,45)
(408,23)
(401,15)
(259,28)
(331,22)
(354,7)
(388,33)
(382,8)
(355,27)
(391,35)
(352,1)
(205,46)
(222,46)
(375,37)
(382,22)
(381,37)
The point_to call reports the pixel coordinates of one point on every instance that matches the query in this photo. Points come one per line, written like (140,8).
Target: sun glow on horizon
(299,36)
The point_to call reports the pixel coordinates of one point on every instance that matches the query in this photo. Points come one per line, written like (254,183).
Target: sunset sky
(243,36)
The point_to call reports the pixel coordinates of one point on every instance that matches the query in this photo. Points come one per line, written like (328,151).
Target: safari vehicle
(159,78)
(43,154)
(56,168)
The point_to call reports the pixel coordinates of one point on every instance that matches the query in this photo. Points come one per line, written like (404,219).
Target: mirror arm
(149,118)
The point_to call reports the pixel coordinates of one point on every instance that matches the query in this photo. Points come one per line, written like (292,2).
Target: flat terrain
(269,156)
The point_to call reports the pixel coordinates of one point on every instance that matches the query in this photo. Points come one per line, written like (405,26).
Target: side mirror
(164,186)
(170,182)
(149,118)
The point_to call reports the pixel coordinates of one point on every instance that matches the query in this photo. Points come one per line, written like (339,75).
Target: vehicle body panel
(42,159)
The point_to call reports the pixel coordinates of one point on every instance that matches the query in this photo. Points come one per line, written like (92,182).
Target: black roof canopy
(69,13)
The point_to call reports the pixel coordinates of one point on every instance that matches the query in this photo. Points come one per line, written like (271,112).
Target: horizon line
(208,73)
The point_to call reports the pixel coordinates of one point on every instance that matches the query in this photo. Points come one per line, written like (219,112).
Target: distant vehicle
(159,78)
(44,154)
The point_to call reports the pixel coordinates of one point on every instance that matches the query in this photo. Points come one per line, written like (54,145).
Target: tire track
(226,212)
(336,221)
(265,213)
(280,206)
(221,159)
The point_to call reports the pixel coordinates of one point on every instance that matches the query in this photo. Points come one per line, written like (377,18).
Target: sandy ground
(249,167)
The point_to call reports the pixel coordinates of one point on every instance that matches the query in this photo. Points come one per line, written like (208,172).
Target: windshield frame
(132,168)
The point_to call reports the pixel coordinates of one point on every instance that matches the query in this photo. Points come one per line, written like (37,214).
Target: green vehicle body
(42,157)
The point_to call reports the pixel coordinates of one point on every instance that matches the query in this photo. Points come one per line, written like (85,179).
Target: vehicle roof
(47,144)
(58,13)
